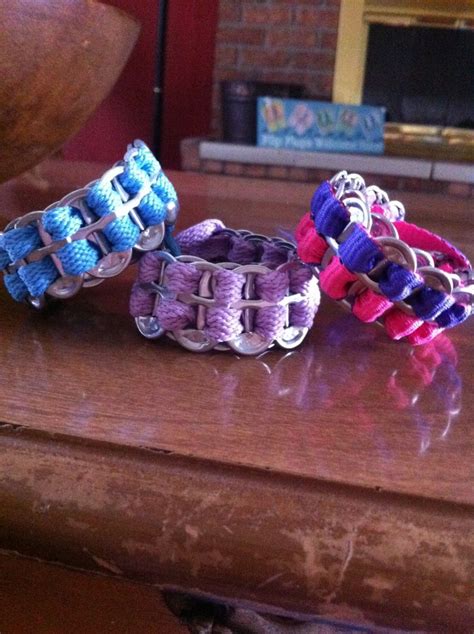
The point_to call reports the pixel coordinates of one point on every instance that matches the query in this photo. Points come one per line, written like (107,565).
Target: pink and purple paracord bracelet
(409,279)
(229,290)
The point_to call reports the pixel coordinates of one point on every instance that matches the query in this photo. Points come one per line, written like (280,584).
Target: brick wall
(281,41)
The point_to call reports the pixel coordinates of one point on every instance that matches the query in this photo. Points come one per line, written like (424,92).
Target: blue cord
(80,256)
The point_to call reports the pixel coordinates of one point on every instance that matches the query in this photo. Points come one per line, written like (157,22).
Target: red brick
(328,40)
(421,185)
(277,171)
(298,174)
(295,38)
(233,169)
(260,58)
(317,176)
(373,179)
(189,150)
(317,60)
(319,84)
(227,74)
(316,17)
(216,128)
(216,98)
(241,35)
(282,76)
(230,10)
(255,171)
(295,3)
(226,55)
(263,14)
(214,167)
(385,181)
(459,189)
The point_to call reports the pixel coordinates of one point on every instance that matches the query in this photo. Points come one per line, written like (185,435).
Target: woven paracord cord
(228,290)
(411,280)
(90,234)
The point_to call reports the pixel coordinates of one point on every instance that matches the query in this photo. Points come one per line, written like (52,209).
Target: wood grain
(58,61)
(345,466)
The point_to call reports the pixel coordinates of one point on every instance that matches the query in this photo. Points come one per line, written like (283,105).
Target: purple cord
(221,319)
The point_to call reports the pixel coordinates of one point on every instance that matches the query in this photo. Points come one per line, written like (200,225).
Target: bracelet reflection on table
(422,383)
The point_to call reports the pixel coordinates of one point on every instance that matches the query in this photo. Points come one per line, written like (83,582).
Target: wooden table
(335,480)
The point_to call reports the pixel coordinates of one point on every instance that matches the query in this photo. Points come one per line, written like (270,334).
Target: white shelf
(386,165)
(457,172)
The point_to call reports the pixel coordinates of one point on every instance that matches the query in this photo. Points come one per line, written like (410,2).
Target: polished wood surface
(40,598)
(334,480)
(58,61)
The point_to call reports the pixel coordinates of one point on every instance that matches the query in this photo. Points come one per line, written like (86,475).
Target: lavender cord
(211,241)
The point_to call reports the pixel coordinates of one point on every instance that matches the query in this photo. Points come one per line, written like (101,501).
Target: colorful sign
(311,126)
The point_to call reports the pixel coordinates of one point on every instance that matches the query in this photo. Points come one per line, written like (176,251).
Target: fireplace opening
(421,75)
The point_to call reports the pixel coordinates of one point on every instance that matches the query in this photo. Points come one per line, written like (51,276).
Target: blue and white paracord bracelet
(90,234)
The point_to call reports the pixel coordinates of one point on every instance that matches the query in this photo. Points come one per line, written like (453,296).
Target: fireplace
(414,58)
(421,75)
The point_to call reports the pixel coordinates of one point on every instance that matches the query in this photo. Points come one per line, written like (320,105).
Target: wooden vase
(58,60)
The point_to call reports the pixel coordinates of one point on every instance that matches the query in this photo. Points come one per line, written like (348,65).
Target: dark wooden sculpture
(58,60)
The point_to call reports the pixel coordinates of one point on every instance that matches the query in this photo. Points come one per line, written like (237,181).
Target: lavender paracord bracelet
(228,290)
